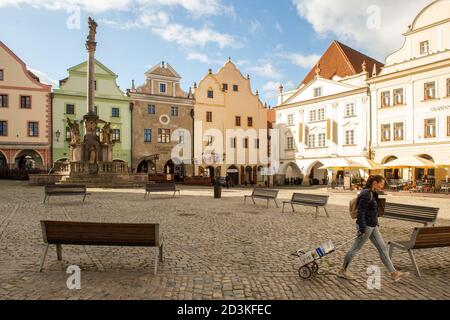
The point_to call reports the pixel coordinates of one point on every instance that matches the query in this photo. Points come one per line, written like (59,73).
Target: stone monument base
(107,175)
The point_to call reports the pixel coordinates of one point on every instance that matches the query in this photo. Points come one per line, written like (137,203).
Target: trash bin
(217,192)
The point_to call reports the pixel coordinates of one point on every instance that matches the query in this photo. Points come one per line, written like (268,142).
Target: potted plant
(356,183)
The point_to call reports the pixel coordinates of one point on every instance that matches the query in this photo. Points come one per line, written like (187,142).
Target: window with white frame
(385,99)
(163,135)
(290,120)
(349,109)
(398,131)
(317,92)
(162,88)
(290,143)
(312,115)
(430,128)
(398,97)
(321,114)
(425,47)
(147,135)
(115,135)
(349,137)
(429,90)
(385,132)
(311,141)
(321,140)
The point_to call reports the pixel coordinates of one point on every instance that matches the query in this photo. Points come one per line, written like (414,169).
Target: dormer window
(424,47)
(210,94)
(317,92)
(235,88)
(225,87)
(162,88)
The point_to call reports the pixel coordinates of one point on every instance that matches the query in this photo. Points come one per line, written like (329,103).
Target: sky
(274,41)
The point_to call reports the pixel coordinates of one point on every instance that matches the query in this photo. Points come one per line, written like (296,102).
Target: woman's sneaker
(397,276)
(345,275)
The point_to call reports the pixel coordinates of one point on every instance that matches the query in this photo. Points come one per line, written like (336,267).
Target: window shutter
(242,175)
(328,129)
(300,132)
(335,132)
(306,134)
(255,177)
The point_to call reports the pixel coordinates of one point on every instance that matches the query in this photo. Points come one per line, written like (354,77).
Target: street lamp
(57,134)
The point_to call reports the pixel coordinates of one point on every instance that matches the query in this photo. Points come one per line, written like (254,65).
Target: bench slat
(410,213)
(265,193)
(434,237)
(108,234)
(312,199)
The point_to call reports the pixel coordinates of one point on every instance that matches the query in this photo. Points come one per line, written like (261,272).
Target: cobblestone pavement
(214,249)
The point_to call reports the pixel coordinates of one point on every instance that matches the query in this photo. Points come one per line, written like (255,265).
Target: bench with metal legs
(422,238)
(267,194)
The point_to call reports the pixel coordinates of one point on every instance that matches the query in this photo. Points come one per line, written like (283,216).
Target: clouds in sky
(152,14)
(45,78)
(375,26)
(270,89)
(265,69)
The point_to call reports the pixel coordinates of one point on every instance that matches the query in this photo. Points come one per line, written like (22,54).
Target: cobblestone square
(214,248)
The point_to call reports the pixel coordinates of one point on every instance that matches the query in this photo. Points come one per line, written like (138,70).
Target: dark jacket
(367,210)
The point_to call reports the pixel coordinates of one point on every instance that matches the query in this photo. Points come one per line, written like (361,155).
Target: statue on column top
(92,29)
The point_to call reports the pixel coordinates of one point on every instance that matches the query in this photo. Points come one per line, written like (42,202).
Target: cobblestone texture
(214,249)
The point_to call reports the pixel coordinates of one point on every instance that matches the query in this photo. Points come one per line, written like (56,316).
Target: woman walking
(368,229)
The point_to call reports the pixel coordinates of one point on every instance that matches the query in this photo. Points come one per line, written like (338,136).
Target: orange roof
(343,61)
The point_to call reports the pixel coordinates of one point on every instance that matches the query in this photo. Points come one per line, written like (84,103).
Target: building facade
(25,115)
(161,119)
(230,128)
(411,96)
(325,119)
(111,105)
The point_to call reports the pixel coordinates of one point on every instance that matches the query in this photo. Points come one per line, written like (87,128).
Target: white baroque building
(325,119)
(411,95)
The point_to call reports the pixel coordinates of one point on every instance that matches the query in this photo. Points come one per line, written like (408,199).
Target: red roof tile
(343,61)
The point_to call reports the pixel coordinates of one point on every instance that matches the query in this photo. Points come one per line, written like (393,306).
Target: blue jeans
(376,238)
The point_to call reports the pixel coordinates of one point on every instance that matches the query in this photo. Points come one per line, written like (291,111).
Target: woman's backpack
(353,206)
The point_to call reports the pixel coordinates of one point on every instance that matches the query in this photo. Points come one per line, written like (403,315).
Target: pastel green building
(111,105)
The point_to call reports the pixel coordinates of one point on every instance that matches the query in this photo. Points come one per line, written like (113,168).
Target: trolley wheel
(314,267)
(305,272)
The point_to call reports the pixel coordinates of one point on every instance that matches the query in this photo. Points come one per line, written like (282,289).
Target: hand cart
(308,265)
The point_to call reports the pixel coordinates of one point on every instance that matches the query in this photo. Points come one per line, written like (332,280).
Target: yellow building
(230,128)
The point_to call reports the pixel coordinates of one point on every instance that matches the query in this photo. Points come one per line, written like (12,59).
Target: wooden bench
(267,194)
(161,187)
(100,234)
(418,214)
(309,200)
(65,190)
(422,238)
